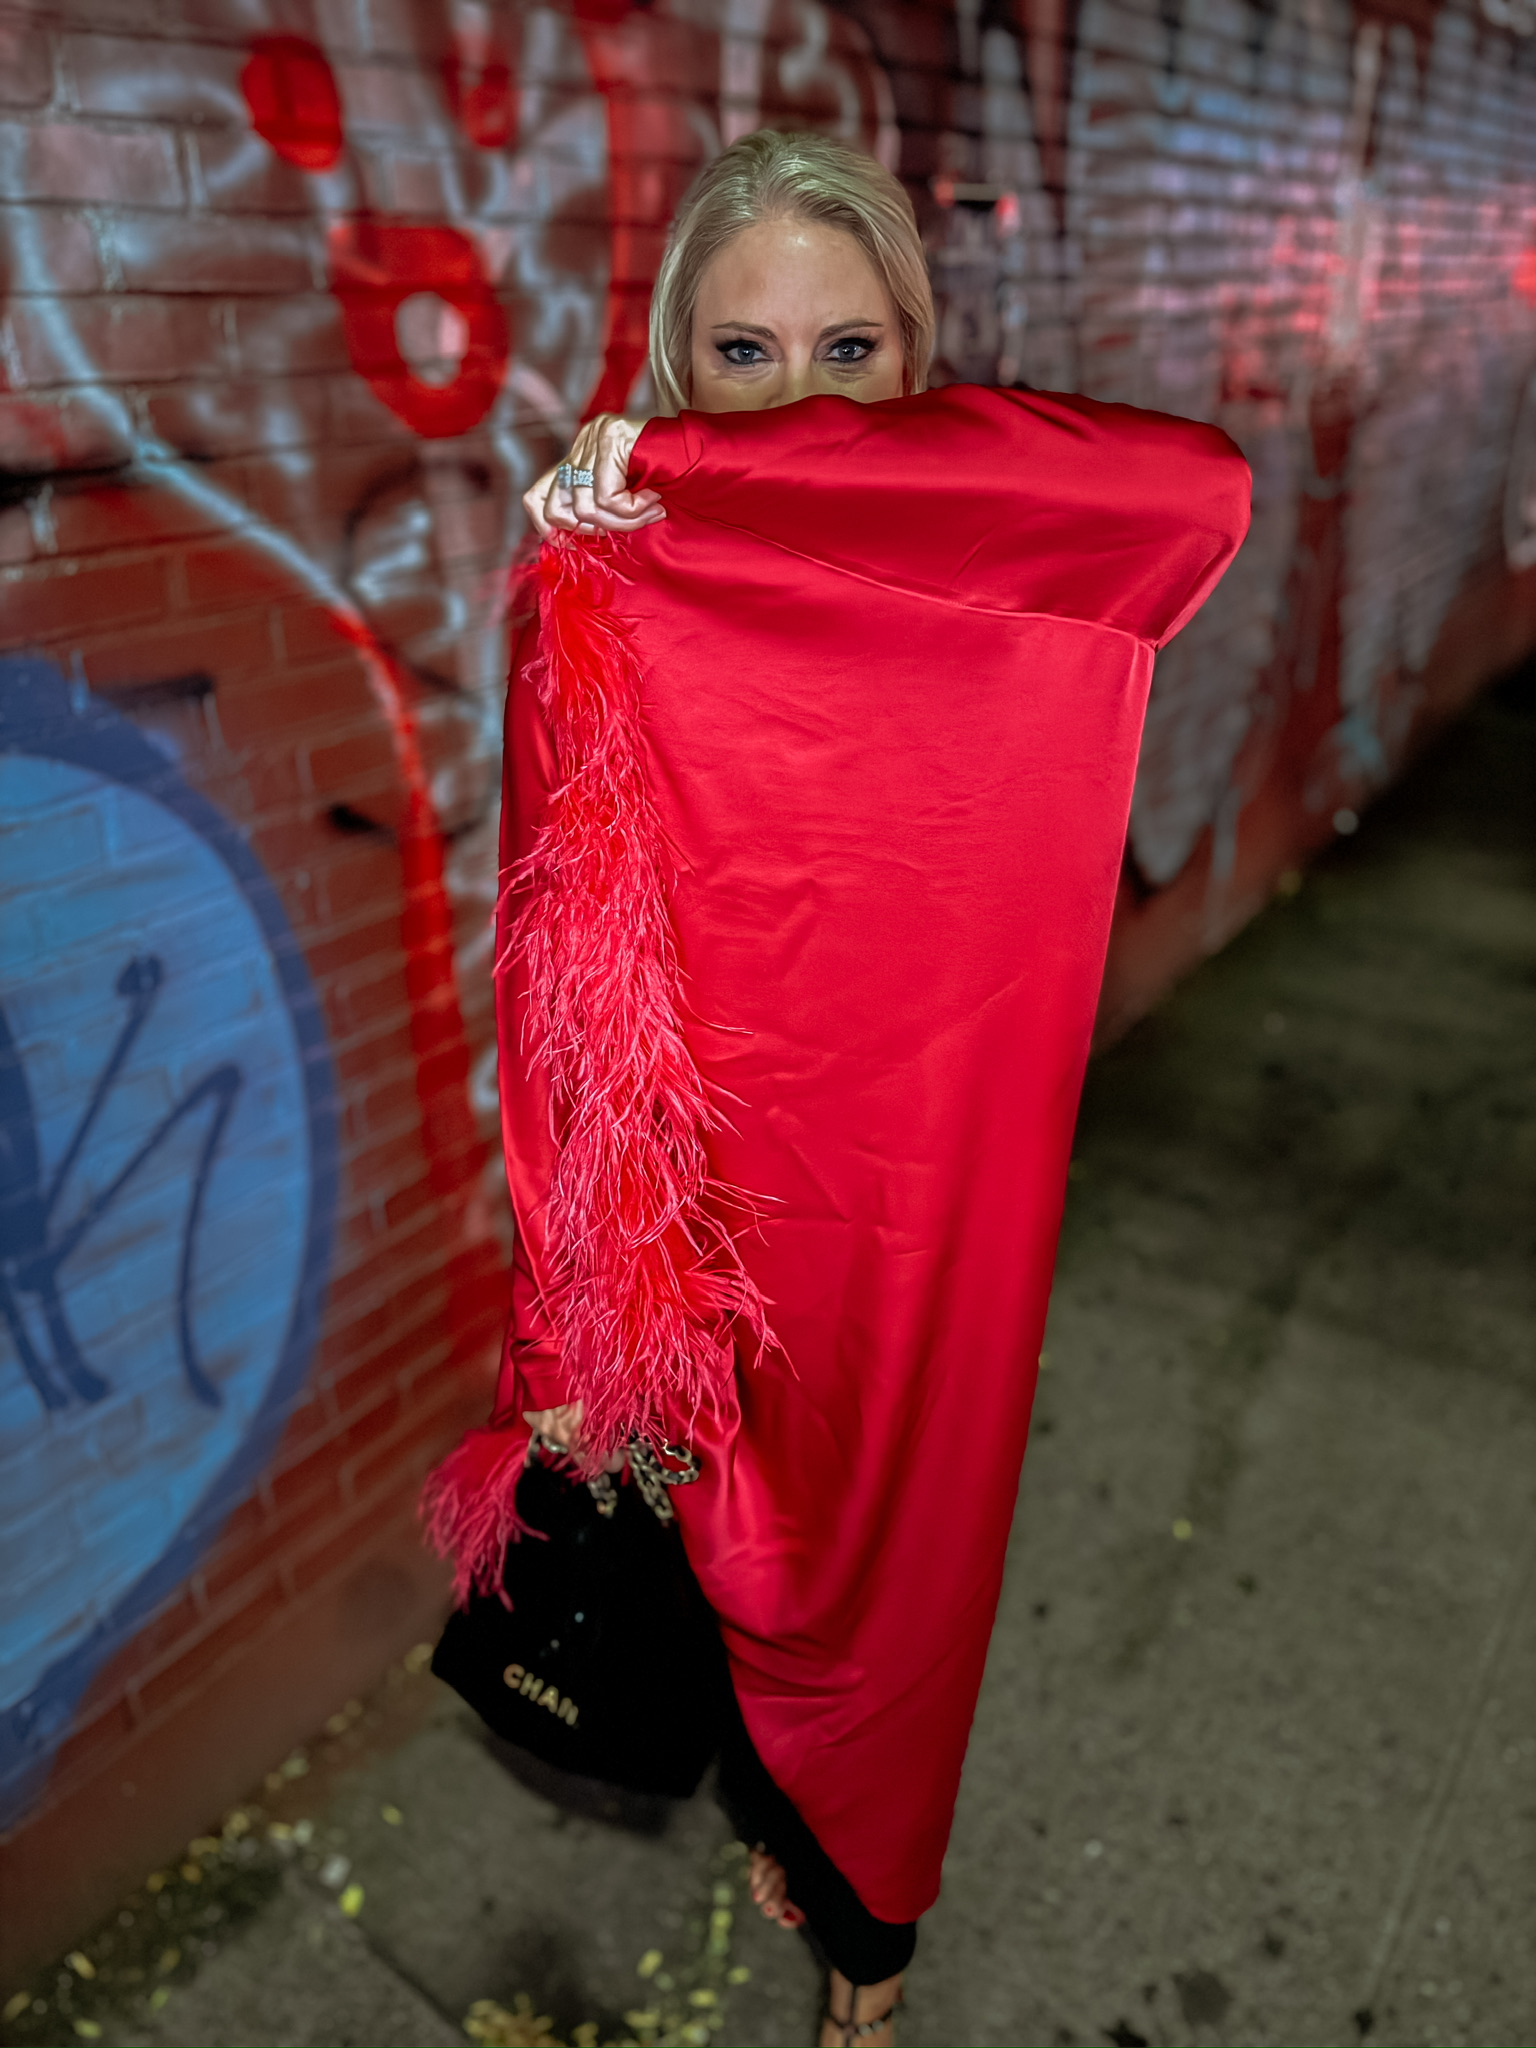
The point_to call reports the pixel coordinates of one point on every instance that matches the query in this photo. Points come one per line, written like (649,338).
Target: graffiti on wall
(167,1167)
(296,307)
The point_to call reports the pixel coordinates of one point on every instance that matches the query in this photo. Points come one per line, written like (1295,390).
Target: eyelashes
(847,352)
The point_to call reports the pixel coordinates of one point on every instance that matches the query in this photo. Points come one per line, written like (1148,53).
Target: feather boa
(650,1291)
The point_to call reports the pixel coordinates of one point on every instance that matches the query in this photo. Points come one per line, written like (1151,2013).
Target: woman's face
(789,309)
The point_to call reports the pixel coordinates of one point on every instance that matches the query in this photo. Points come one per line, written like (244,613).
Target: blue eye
(853,348)
(741,352)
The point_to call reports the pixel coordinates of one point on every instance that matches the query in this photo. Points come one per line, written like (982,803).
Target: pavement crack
(1437,1808)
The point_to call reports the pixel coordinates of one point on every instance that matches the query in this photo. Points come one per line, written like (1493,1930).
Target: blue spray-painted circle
(167,1190)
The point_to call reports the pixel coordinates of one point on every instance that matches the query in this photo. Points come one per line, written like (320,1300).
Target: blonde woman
(818,772)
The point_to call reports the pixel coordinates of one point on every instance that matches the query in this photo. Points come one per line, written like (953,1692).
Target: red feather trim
(469,1505)
(650,1293)
(649,1282)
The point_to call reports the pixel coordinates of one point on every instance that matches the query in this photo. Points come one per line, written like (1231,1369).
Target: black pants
(851,1939)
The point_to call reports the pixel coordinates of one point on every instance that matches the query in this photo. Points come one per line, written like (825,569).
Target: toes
(767,1884)
(770,1890)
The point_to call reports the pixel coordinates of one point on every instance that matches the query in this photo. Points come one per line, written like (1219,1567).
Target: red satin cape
(895,660)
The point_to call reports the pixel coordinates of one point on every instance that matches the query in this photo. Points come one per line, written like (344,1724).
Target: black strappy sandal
(852,2031)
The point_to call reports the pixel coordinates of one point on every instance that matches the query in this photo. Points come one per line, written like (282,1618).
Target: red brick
(269,783)
(135,339)
(284,709)
(149,80)
(363,760)
(392,1105)
(91,1746)
(373,1271)
(310,1423)
(367,1426)
(410,1352)
(227,649)
(365,945)
(394,27)
(216,254)
(415,1448)
(391,1049)
(195,1664)
(309,632)
(52,603)
(224,1583)
(26,64)
(347,1543)
(383,96)
(90,517)
(420,186)
(238,1548)
(18,543)
(176,1623)
(42,433)
(471,1357)
(306,1451)
(65,250)
(303,1520)
(389,1162)
(353,1372)
(356,419)
(233,178)
(336,25)
(309,1475)
(237,417)
(71,160)
(364,876)
(408,1201)
(233,568)
(362,1003)
(291,336)
(271,715)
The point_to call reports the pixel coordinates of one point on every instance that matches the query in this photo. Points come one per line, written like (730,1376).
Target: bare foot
(765,1881)
(850,2015)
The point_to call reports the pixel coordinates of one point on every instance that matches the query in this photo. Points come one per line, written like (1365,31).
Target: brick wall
(298,295)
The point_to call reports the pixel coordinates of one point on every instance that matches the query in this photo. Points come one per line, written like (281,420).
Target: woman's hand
(606,504)
(563,1426)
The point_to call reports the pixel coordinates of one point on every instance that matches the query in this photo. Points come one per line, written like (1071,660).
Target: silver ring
(564,474)
(582,479)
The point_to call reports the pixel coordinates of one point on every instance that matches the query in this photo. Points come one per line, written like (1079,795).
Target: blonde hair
(776,176)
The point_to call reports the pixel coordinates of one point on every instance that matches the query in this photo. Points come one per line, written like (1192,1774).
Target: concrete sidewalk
(1256,1757)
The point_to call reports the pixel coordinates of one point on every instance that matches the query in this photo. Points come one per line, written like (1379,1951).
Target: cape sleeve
(533,1372)
(999,500)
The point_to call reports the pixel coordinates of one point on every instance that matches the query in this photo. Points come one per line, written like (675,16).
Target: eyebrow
(747,327)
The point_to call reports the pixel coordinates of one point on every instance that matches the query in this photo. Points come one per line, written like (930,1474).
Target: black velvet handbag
(609,1663)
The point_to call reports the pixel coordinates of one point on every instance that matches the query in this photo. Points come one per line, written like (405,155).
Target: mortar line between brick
(1437,1809)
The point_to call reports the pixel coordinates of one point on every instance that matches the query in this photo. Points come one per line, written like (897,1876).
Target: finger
(610,467)
(599,521)
(584,501)
(630,510)
(534,499)
(560,508)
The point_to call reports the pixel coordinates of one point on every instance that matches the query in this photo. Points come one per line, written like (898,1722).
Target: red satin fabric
(896,659)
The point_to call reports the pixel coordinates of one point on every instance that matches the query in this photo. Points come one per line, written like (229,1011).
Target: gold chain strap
(654,1473)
